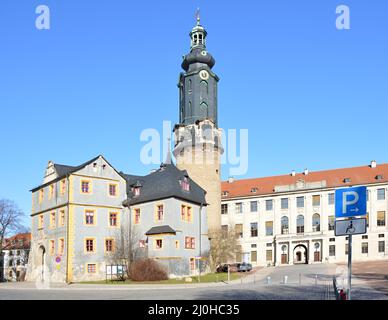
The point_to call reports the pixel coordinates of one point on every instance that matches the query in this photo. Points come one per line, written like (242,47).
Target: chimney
(293,173)
(230,180)
(306,172)
(373,164)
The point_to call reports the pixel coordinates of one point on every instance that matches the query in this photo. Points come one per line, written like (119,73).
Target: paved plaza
(304,282)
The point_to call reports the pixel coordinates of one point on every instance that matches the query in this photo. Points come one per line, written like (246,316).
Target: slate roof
(160,230)
(334,179)
(163,183)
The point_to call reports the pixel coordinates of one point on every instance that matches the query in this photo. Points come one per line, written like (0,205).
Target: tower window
(200,38)
(195,39)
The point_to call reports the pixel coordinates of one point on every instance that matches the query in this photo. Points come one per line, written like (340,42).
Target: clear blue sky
(310,95)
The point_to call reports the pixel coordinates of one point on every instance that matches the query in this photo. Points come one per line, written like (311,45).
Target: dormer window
(225,193)
(379,177)
(254,190)
(185,184)
(347,180)
(136,191)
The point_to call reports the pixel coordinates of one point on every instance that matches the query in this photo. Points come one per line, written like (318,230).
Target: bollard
(285,279)
(300,279)
(268,280)
(316,279)
(254,279)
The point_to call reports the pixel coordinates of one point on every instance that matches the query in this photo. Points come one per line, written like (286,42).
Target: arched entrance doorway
(41,261)
(300,254)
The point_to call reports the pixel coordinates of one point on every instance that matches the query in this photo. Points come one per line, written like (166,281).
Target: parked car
(224,267)
(244,267)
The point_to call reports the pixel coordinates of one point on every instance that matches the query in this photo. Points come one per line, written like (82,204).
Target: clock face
(204,53)
(204,75)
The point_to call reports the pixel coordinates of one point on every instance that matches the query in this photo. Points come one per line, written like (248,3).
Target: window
(189,242)
(253,256)
(89,217)
(62,217)
(61,248)
(300,224)
(159,212)
(284,225)
(113,190)
(176,244)
(192,264)
(189,215)
(380,194)
(331,198)
(254,232)
(269,228)
(52,247)
(367,219)
(381,235)
(137,216)
(300,202)
(239,230)
(332,239)
(186,214)
(91,268)
(381,218)
(332,250)
(269,205)
(85,186)
(268,255)
(364,237)
(113,219)
(224,208)
(284,203)
(316,200)
(316,222)
(109,245)
(253,206)
(63,187)
(51,191)
(40,221)
(41,195)
(254,245)
(364,247)
(239,207)
(136,191)
(183,213)
(158,243)
(331,222)
(52,220)
(185,184)
(89,245)
(381,246)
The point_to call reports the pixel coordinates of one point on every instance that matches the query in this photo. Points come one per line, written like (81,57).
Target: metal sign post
(350,267)
(350,203)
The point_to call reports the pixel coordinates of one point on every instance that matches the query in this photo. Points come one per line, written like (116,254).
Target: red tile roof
(13,243)
(334,179)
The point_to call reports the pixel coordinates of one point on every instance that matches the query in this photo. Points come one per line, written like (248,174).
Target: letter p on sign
(350,202)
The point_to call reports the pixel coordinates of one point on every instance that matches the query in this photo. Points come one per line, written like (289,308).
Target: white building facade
(289,219)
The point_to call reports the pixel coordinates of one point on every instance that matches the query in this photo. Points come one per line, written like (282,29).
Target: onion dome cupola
(198,84)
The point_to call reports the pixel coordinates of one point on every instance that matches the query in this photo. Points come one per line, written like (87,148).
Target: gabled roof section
(164,183)
(160,230)
(65,170)
(335,178)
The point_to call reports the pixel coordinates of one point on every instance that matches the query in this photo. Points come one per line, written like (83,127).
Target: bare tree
(10,221)
(223,247)
(127,247)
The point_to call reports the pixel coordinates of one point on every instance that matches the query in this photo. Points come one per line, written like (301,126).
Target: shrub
(147,270)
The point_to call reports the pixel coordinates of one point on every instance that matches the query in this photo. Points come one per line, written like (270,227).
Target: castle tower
(197,145)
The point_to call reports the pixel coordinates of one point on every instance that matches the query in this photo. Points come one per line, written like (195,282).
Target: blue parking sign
(350,202)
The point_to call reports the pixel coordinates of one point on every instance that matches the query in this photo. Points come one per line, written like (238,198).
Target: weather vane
(197,16)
